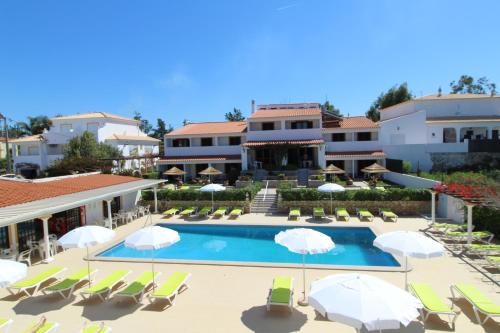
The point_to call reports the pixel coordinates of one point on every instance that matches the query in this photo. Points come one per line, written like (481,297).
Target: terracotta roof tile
(32,138)
(357,122)
(222,127)
(120,137)
(197,158)
(351,154)
(18,192)
(275,113)
(90,115)
(282,142)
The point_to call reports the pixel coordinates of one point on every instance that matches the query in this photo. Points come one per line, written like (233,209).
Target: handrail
(265,191)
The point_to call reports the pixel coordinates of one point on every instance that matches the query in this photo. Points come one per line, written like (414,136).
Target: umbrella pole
(303,301)
(88,266)
(153,267)
(331,204)
(212,202)
(406,272)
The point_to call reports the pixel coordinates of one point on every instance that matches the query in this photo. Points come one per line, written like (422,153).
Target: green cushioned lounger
(66,287)
(341,212)
(281,292)
(172,211)
(30,286)
(5,324)
(294,213)
(139,286)
(364,213)
(42,327)
(103,288)
(188,211)
(168,291)
(236,212)
(479,301)
(220,212)
(318,212)
(96,328)
(205,211)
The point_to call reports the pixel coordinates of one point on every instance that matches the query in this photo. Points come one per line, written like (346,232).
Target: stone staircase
(302,177)
(265,203)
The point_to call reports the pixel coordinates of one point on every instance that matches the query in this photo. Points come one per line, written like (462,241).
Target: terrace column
(433,207)
(155,190)
(353,171)
(469,222)
(110,217)
(46,242)
(13,237)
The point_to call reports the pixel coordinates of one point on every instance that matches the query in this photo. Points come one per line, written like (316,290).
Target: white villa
(444,129)
(275,136)
(35,153)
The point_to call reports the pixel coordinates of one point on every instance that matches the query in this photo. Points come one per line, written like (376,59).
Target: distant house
(35,153)
(442,131)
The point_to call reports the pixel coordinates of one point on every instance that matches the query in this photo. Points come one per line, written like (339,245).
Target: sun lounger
(433,304)
(445,227)
(139,287)
(342,213)
(364,213)
(171,212)
(103,288)
(220,212)
(5,324)
(33,284)
(281,293)
(482,236)
(188,212)
(479,301)
(68,285)
(294,213)
(482,249)
(96,328)
(204,212)
(176,283)
(493,261)
(43,326)
(387,214)
(318,212)
(236,212)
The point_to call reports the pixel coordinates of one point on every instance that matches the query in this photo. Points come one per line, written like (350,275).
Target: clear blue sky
(199,59)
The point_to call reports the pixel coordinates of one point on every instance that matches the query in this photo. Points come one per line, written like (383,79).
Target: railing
(484,145)
(265,191)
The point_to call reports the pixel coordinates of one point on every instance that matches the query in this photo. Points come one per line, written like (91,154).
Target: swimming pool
(255,244)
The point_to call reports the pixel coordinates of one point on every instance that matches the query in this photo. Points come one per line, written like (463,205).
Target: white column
(469,223)
(321,156)
(155,190)
(244,159)
(489,133)
(110,217)
(433,207)
(13,236)
(353,170)
(45,221)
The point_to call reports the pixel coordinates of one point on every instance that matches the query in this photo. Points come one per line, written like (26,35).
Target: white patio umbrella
(409,244)
(86,236)
(152,238)
(331,188)
(361,300)
(304,241)
(11,271)
(212,188)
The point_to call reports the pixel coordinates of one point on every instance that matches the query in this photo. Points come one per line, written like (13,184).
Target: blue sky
(197,60)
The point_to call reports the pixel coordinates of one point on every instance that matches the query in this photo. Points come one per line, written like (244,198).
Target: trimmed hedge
(485,218)
(234,194)
(407,194)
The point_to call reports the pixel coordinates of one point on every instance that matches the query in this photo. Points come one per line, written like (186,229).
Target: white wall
(211,150)
(451,208)
(93,212)
(353,146)
(285,134)
(410,181)
(408,129)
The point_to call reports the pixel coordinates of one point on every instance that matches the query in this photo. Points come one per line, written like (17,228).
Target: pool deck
(232,298)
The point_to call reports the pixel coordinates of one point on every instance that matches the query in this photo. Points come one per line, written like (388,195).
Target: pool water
(247,243)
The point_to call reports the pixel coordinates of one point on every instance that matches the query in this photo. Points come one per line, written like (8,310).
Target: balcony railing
(484,146)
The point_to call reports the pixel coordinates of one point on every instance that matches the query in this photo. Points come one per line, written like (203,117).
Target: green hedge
(234,194)
(406,194)
(485,218)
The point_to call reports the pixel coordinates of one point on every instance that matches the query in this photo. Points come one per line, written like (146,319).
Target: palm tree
(35,125)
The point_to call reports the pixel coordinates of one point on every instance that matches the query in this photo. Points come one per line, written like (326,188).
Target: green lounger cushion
(282,287)
(429,298)
(95,328)
(342,212)
(477,234)
(188,210)
(204,211)
(171,211)
(495,259)
(221,210)
(139,284)
(387,212)
(173,283)
(71,280)
(3,321)
(449,225)
(478,298)
(46,327)
(184,187)
(236,211)
(318,211)
(294,212)
(484,247)
(364,212)
(107,282)
(45,275)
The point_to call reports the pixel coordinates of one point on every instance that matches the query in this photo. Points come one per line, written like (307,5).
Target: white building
(441,130)
(35,153)
(275,137)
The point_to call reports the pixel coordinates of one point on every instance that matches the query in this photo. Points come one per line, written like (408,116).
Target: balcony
(202,150)
(285,134)
(339,146)
(484,146)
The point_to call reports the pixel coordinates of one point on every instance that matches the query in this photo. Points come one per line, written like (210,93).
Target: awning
(355,154)
(199,159)
(49,206)
(253,144)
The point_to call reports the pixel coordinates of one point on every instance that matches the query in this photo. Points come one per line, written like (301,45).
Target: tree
(467,85)
(395,95)
(144,124)
(330,108)
(235,115)
(35,125)
(161,129)
(185,122)
(87,147)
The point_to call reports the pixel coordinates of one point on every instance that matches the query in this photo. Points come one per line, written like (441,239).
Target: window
(268,126)
(66,128)
(180,143)
(364,136)
(234,140)
(205,142)
(449,135)
(337,137)
(495,134)
(302,124)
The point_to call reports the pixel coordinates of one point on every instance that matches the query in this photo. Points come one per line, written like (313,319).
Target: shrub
(394,194)
(485,218)
(406,167)
(236,194)
(151,175)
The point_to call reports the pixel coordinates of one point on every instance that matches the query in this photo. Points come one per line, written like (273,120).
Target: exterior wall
(93,212)
(353,146)
(285,134)
(450,208)
(211,150)
(407,129)
(410,181)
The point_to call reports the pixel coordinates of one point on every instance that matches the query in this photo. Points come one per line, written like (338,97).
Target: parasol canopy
(332,169)
(374,168)
(210,171)
(174,171)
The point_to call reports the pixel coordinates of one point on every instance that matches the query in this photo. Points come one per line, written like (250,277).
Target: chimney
(440,91)
(253,106)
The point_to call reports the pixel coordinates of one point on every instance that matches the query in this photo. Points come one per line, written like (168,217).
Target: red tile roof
(222,127)
(357,122)
(282,142)
(18,192)
(197,158)
(276,113)
(351,154)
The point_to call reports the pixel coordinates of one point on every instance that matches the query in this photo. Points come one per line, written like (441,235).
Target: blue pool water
(245,243)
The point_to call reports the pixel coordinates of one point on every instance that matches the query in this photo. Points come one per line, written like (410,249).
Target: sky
(196,60)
